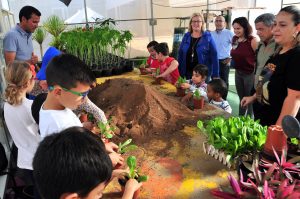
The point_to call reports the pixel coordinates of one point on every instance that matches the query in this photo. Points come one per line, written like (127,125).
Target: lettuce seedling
(133,173)
(126,146)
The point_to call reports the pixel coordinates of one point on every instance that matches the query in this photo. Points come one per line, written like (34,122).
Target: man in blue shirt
(17,42)
(223,40)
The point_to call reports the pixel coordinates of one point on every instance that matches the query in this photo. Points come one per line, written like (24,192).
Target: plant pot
(198,103)
(159,80)
(83,117)
(276,139)
(143,71)
(180,92)
(123,182)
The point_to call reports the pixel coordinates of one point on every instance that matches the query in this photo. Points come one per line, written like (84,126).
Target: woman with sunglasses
(243,55)
(197,47)
(279,87)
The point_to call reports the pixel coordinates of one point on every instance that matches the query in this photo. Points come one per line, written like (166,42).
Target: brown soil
(142,112)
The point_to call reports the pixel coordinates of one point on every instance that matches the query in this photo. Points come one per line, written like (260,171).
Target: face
(238,30)
(220,23)
(264,32)
(152,52)
(196,23)
(69,99)
(31,24)
(96,193)
(159,56)
(197,78)
(284,29)
(210,93)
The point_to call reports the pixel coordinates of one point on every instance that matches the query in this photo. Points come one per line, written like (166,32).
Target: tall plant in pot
(180,92)
(39,36)
(55,26)
(198,100)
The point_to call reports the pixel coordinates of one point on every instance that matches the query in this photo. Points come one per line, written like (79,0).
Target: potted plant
(55,26)
(133,174)
(106,130)
(198,100)
(180,92)
(39,36)
(158,80)
(142,68)
(124,148)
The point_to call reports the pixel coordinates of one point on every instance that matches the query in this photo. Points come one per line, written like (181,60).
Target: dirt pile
(139,110)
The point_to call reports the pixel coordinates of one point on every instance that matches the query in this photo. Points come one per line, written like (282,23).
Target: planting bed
(170,146)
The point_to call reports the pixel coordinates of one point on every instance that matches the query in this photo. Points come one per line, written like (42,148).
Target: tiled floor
(232,97)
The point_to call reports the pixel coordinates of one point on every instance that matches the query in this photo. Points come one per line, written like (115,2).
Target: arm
(131,186)
(290,105)
(248,100)
(214,58)
(90,107)
(254,44)
(9,57)
(172,67)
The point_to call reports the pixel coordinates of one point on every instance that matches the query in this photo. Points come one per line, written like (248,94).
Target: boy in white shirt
(216,89)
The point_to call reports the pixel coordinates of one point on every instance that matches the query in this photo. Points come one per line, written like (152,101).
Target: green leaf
(131,162)
(200,124)
(142,178)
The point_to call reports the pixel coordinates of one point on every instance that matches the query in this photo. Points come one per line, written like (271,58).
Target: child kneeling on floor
(216,89)
(196,83)
(74,164)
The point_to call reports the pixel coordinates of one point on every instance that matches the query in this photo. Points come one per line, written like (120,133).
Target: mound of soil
(141,111)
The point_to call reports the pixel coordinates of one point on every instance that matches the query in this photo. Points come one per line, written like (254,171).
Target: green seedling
(133,173)
(126,146)
(180,81)
(157,72)
(197,94)
(106,132)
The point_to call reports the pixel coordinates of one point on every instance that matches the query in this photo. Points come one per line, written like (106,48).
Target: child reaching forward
(197,82)
(216,89)
(152,62)
(168,65)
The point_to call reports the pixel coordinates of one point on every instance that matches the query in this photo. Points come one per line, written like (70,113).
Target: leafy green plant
(133,173)
(39,36)
(126,146)
(235,135)
(197,94)
(180,81)
(55,26)
(157,72)
(105,130)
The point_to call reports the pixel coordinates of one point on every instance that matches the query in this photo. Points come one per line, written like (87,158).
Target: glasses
(196,21)
(80,94)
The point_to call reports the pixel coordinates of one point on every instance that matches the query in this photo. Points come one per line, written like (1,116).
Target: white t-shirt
(23,130)
(54,121)
(223,105)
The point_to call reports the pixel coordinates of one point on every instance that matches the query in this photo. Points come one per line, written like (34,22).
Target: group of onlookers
(72,162)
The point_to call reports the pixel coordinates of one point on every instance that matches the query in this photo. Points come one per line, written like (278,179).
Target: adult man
(17,42)
(266,46)
(223,40)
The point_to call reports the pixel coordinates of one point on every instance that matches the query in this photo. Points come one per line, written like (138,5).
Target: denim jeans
(244,84)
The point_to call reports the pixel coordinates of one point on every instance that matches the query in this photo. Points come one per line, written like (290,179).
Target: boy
(69,81)
(168,65)
(74,164)
(152,62)
(200,73)
(216,89)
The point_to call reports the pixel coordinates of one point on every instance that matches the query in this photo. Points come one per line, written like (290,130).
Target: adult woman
(197,47)
(281,93)
(243,55)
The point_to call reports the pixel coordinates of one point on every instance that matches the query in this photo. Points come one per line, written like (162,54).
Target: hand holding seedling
(116,158)
(185,85)
(120,173)
(88,125)
(111,147)
(131,186)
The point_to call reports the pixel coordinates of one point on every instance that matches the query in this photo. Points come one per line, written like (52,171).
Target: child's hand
(88,125)
(111,147)
(119,173)
(43,84)
(185,86)
(116,158)
(131,186)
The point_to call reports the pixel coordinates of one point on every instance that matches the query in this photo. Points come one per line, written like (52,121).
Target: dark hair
(218,86)
(201,69)
(36,106)
(67,70)
(27,12)
(152,44)
(294,11)
(267,19)
(162,48)
(72,161)
(243,21)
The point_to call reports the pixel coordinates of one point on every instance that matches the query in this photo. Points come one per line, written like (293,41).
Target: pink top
(174,75)
(153,63)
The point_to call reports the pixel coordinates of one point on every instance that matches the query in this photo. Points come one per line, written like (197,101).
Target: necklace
(193,47)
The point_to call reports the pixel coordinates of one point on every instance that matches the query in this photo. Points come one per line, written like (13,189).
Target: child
(74,164)
(197,82)
(152,62)
(69,81)
(24,131)
(216,89)
(168,65)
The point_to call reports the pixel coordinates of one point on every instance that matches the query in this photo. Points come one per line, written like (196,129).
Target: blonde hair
(202,19)
(17,75)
